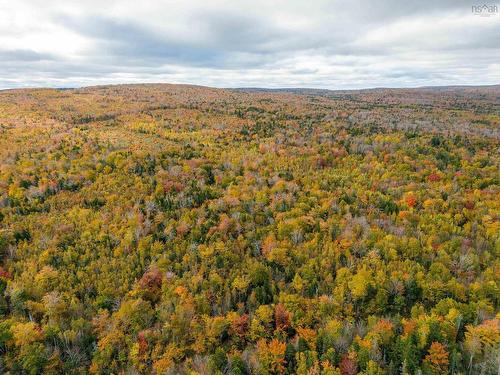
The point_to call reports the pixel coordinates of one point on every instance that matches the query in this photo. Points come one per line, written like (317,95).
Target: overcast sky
(314,43)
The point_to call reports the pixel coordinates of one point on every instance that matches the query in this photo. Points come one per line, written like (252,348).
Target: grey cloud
(132,43)
(124,39)
(23,55)
(326,44)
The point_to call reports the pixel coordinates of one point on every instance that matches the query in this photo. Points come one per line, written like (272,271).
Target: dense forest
(173,229)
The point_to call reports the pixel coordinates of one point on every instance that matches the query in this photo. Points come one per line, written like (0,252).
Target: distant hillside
(449,96)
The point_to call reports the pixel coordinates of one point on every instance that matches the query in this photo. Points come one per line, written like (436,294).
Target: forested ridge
(174,229)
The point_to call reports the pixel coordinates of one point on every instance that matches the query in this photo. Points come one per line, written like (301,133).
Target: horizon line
(256,88)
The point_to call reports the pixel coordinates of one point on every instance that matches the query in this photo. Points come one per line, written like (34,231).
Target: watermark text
(485,10)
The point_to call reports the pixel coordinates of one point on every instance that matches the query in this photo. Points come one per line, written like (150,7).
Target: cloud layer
(326,44)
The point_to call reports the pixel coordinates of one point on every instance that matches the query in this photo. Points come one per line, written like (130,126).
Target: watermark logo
(485,10)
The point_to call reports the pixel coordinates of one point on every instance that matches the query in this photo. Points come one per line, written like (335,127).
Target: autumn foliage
(173,229)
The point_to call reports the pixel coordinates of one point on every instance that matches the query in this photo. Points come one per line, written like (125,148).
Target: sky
(315,43)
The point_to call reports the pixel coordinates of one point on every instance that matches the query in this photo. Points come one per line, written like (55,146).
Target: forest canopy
(179,229)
